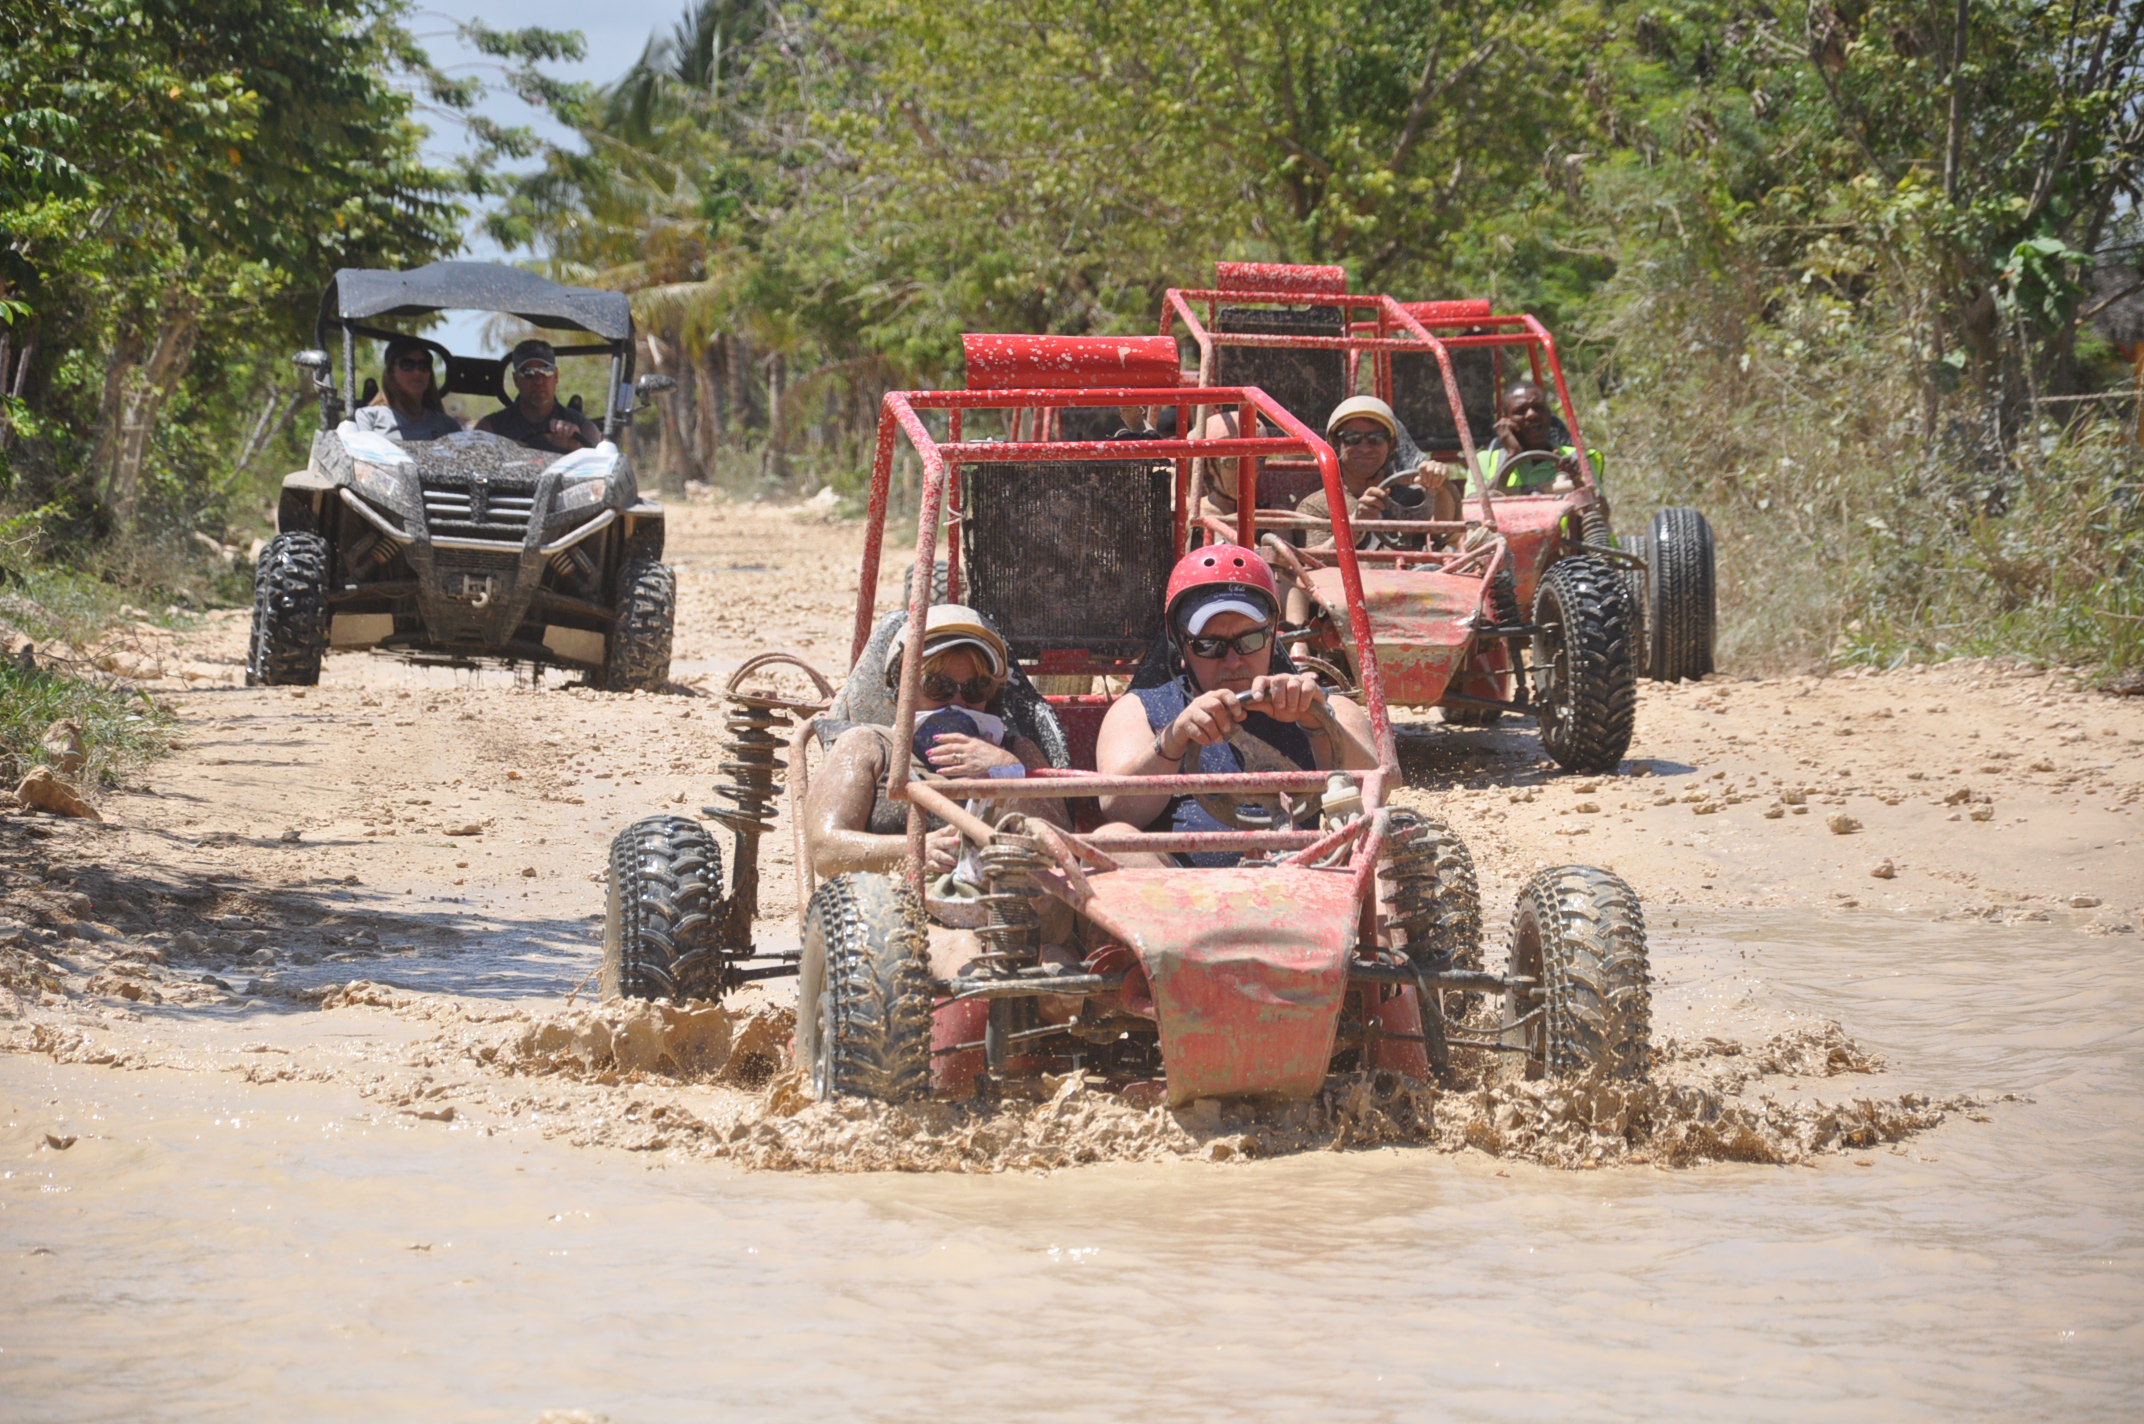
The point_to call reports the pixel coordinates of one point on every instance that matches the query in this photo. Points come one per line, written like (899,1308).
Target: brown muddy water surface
(211,1248)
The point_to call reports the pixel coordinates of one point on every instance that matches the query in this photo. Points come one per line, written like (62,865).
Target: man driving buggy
(535,418)
(1232,703)
(1523,424)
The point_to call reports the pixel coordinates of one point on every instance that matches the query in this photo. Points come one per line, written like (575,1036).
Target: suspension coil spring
(1011,898)
(746,802)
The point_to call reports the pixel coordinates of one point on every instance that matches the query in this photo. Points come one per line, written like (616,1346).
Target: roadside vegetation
(1853,276)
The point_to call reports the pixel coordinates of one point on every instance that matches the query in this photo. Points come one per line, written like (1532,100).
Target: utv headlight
(581,494)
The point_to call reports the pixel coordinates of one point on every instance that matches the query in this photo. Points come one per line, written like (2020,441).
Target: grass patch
(122,726)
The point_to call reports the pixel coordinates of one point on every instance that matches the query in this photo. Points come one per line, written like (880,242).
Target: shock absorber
(745,803)
(1012,933)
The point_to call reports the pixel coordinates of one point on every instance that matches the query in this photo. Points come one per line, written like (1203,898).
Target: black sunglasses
(1244,644)
(1348,439)
(414,363)
(975,691)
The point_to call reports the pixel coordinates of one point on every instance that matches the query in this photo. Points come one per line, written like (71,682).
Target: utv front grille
(475,511)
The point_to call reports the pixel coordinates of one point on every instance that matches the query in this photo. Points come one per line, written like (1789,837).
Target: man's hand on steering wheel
(1206,722)
(1288,697)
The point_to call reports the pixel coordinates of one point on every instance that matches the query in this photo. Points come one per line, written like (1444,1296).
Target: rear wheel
(1682,595)
(290,612)
(864,991)
(659,921)
(638,657)
(1585,688)
(1579,935)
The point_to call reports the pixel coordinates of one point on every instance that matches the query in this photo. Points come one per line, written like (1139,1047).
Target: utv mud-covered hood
(440,479)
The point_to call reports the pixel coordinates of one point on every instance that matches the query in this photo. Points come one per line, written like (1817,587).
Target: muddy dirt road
(297,1123)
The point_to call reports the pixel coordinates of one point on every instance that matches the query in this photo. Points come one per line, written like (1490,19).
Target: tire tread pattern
(290,612)
(638,659)
(873,1018)
(664,903)
(1589,698)
(1591,933)
(1682,596)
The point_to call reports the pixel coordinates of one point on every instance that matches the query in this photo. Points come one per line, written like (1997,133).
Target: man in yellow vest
(1524,425)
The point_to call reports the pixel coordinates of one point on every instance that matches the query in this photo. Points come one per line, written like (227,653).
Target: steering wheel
(1246,811)
(1505,462)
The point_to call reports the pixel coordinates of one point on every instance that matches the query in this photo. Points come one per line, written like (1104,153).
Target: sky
(616,31)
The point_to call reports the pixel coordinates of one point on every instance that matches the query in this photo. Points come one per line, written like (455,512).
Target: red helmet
(1221,565)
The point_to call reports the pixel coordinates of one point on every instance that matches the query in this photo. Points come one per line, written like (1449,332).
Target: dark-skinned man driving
(535,418)
(1523,424)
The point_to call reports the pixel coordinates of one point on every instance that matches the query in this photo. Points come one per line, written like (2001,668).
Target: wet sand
(273,1208)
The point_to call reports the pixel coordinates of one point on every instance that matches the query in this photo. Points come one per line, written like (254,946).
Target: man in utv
(536,419)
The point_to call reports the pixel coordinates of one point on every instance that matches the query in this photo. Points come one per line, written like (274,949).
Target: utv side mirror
(654,384)
(315,364)
(314,361)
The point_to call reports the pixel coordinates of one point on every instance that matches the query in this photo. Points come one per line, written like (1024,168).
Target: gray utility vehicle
(471,545)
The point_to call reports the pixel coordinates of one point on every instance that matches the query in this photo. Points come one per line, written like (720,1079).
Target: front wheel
(661,911)
(1578,934)
(1585,686)
(290,612)
(864,991)
(638,657)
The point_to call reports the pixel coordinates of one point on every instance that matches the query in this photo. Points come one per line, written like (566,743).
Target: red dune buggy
(1509,608)
(1345,939)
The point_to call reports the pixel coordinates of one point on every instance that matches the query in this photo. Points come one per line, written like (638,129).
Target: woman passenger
(407,406)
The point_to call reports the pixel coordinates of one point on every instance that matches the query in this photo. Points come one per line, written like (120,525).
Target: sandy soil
(435,841)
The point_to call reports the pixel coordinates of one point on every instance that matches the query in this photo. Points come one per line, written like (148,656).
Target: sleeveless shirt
(1184,814)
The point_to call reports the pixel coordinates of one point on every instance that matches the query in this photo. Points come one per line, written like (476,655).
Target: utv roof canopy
(359,292)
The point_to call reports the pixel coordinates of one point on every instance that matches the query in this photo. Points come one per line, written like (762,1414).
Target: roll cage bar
(901,419)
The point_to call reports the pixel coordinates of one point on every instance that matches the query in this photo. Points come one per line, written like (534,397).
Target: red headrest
(1280,277)
(1063,363)
(1465,310)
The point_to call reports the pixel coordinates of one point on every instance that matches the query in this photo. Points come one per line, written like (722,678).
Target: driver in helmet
(851,819)
(1229,695)
(1523,423)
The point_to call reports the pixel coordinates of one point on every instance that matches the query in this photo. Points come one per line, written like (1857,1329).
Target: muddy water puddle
(209,1248)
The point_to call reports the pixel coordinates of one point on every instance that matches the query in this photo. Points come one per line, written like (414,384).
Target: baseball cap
(533,349)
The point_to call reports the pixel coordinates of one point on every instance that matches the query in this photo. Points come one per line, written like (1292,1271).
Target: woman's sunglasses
(1349,439)
(1244,644)
(414,363)
(975,691)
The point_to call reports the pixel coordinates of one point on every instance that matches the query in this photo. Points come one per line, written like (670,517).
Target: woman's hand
(958,754)
(941,850)
(1288,697)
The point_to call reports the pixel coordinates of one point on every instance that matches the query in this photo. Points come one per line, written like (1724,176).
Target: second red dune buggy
(1346,937)
(1494,611)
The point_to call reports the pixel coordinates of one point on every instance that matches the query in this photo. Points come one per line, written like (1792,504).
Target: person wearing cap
(535,418)
(407,406)
(1227,692)
(1366,436)
(851,819)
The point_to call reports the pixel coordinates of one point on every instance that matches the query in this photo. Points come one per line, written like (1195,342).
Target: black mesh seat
(1071,554)
(476,376)
(1419,399)
(1307,382)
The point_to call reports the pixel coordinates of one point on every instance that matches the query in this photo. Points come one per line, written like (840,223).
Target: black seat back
(1307,382)
(1071,554)
(1419,399)
(476,376)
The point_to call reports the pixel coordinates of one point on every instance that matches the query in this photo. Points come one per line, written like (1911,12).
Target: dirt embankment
(438,838)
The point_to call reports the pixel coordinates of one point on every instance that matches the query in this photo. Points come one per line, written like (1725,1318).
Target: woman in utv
(407,406)
(1219,623)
